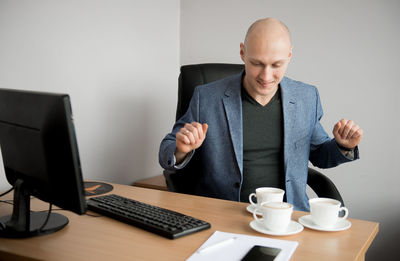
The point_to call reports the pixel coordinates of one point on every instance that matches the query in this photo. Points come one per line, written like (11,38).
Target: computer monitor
(41,159)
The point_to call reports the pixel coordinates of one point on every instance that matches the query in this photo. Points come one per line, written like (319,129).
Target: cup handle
(250,199)
(346,212)
(255,212)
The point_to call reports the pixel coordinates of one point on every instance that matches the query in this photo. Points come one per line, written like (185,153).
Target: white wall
(349,49)
(118,60)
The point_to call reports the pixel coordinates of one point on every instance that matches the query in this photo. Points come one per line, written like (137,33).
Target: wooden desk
(101,238)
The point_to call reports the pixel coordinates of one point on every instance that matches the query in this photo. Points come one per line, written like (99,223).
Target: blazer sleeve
(168,144)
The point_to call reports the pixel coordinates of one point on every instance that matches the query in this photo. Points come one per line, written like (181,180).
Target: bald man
(258,128)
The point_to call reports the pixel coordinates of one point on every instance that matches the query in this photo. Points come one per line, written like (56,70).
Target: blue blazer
(219,104)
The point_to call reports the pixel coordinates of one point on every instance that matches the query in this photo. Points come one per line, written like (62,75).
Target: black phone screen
(261,253)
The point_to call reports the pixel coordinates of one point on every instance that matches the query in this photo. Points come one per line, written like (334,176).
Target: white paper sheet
(237,249)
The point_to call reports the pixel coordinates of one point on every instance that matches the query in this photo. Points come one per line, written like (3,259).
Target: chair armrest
(179,181)
(322,185)
(168,174)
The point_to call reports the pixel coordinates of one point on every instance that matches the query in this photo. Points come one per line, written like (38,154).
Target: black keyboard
(161,221)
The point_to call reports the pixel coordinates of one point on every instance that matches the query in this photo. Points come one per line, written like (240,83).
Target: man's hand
(188,138)
(347,133)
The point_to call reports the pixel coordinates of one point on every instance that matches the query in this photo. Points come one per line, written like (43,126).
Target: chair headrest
(197,74)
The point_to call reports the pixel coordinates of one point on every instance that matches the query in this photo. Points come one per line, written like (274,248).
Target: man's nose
(267,74)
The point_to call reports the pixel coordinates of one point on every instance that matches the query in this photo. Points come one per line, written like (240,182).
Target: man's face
(265,64)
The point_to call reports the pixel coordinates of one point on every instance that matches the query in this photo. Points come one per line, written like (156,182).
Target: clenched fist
(347,133)
(189,138)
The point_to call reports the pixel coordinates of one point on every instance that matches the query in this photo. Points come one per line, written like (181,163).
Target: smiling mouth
(266,84)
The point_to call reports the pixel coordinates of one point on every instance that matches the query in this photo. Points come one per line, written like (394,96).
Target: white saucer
(339,226)
(251,208)
(293,228)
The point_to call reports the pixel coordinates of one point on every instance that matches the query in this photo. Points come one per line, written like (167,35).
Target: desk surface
(101,238)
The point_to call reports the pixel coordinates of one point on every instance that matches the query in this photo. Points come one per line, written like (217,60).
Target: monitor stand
(23,223)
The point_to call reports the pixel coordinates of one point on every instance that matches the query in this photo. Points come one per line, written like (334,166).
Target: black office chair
(198,74)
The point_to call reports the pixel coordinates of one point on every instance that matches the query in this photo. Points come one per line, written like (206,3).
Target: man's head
(266,53)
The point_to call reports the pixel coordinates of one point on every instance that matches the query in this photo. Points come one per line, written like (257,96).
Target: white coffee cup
(325,211)
(276,215)
(266,194)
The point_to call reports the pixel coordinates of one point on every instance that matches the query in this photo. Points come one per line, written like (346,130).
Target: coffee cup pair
(276,214)
(266,194)
(325,212)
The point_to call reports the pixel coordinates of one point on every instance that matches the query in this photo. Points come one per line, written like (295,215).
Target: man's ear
(291,52)
(242,51)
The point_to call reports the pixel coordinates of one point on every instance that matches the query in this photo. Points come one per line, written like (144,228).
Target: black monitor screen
(40,155)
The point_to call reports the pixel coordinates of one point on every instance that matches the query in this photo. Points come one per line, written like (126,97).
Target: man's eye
(256,64)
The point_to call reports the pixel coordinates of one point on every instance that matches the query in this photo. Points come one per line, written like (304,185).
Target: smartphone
(261,253)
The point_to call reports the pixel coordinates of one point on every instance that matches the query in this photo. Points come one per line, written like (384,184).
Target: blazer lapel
(289,116)
(233,110)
